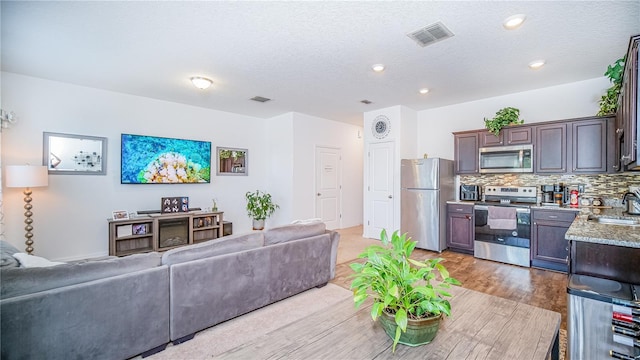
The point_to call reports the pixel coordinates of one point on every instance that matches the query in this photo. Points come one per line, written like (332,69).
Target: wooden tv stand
(161,232)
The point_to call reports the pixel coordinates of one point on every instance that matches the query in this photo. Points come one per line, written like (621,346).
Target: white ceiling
(313,57)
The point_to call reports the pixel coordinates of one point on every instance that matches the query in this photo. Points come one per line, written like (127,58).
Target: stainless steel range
(503,224)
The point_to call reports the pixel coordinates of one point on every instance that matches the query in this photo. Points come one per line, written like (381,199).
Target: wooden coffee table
(481,327)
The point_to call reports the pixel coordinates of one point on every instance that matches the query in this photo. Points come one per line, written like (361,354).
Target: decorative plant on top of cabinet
(504,117)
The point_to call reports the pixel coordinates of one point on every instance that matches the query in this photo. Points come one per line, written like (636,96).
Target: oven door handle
(486,207)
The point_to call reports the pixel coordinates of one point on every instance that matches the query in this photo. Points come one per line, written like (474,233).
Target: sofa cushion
(29,261)
(286,233)
(226,245)
(21,281)
(6,255)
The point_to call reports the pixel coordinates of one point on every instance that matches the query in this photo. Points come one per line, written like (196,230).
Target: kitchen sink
(614,221)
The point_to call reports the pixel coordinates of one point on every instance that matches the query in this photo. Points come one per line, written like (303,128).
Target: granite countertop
(585,230)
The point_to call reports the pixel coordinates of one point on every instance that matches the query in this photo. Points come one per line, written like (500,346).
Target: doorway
(329,186)
(380,204)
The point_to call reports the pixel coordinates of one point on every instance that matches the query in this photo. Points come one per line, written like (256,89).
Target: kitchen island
(605,250)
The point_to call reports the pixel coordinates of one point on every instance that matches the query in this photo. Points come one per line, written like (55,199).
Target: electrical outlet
(581,188)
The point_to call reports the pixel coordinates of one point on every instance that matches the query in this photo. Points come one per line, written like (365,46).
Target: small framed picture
(208,221)
(139,229)
(120,215)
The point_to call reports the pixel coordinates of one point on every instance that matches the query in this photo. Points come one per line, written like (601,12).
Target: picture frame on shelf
(139,229)
(232,161)
(70,154)
(120,215)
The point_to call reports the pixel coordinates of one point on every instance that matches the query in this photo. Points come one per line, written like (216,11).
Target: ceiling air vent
(260,99)
(430,34)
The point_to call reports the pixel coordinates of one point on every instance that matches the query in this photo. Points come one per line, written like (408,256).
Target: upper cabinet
(510,135)
(627,115)
(574,146)
(589,146)
(466,153)
(550,148)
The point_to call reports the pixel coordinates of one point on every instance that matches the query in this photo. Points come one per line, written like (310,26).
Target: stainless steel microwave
(506,159)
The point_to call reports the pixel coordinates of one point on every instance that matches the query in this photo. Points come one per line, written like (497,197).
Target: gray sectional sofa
(117,308)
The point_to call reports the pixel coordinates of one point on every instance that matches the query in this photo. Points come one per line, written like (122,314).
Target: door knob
(319,194)
(390,197)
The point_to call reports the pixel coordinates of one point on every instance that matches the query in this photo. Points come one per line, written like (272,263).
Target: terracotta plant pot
(419,332)
(258,224)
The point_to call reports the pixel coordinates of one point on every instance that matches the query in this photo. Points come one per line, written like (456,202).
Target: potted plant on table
(259,207)
(504,117)
(408,305)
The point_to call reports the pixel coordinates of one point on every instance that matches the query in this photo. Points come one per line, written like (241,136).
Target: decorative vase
(258,224)
(419,332)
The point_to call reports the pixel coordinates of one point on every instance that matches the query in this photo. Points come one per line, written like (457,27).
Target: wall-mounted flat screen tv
(160,160)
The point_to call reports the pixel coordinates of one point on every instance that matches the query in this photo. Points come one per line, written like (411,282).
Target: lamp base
(27,214)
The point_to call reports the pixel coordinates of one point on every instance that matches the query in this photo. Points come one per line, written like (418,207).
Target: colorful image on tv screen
(159,160)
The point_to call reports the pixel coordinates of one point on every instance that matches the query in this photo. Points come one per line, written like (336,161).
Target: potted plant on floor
(259,207)
(408,305)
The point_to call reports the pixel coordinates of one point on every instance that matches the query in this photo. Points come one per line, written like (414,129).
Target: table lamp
(26,176)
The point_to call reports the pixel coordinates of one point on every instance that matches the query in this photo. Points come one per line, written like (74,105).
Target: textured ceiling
(313,57)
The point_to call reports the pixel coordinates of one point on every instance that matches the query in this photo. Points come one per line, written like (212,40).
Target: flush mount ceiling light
(424,91)
(378,68)
(201,82)
(536,64)
(513,22)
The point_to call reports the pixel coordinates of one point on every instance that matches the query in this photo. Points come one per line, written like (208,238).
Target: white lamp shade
(26,176)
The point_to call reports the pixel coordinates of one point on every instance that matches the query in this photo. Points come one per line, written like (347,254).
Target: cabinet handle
(468,217)
(459,209)
(553,216)
(619,131)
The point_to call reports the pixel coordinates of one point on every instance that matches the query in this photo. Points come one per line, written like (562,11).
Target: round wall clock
(381,126)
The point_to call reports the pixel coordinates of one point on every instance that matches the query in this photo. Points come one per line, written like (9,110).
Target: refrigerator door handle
(390,197)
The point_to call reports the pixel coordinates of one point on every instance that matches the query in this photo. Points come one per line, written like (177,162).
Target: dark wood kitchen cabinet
(578,146)
(589,146)
(549,249)
(466,152)
(510,135)
(551,148)
(460,228)
(627,114)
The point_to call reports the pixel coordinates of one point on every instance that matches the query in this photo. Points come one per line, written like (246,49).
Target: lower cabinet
(460,227)
(549,249)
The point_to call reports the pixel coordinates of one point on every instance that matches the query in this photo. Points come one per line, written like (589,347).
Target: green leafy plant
(609,101)
(260,205)
(504,117)
(398,285)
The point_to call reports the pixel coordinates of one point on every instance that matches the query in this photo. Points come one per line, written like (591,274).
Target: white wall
(310,132)
(70,215)
(567,101)
(279,134)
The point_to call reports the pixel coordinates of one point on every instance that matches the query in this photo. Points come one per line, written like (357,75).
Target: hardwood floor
(540,288)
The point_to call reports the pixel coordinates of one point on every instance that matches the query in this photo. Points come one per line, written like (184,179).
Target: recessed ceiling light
(537,64)
(424,91)
(201,82)
(513,22)
(378,68)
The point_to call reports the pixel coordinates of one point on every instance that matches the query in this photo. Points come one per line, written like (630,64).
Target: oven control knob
(514,234)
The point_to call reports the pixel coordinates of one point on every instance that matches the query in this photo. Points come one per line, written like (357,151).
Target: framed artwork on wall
(232,161)
(69,154)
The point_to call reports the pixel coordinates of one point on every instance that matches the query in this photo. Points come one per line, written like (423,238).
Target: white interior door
(328,185)
(381,201)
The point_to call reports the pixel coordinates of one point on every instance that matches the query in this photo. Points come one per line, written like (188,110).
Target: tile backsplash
(611,187)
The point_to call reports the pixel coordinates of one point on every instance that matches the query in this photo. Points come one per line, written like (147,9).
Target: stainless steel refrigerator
(427,185)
